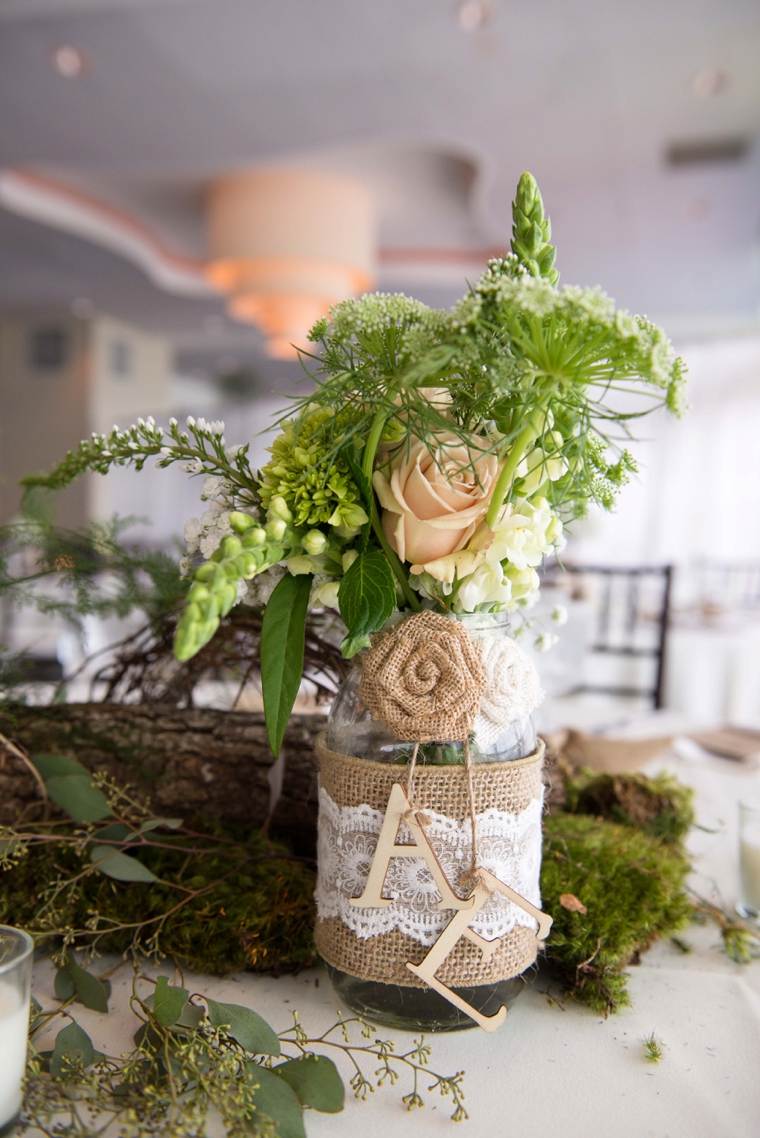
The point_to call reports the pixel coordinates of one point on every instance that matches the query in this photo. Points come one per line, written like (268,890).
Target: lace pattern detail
(509,845)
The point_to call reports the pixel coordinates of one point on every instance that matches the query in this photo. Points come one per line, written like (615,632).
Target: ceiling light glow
(472,15)
(709,82)
(68,61)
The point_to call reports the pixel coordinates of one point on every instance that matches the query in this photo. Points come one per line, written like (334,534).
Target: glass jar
(352,730)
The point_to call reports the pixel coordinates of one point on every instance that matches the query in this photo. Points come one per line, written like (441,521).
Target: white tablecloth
(562,1070)
(712,675)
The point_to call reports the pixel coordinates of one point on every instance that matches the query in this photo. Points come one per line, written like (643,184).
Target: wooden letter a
(398,811)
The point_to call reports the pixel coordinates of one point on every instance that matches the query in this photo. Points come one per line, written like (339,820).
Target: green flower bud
(231,546)
(229,596)
(206,630)
(276,529)
(185,642)
(210,608)
(247,563)
(198,592)
(231,570)
(241,522)
(278,507)
(191,615)
(254,537)
(314,543)
(209,571)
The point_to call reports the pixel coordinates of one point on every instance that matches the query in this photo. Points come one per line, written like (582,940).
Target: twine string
(471,797)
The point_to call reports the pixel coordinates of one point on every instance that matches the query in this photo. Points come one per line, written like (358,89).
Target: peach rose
(432,502)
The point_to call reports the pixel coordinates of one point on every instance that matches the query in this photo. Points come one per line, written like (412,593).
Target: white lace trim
(509,845)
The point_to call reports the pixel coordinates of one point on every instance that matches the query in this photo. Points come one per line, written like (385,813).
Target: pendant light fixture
(285,245)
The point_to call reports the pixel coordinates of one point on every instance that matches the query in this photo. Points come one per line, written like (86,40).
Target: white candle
(14,1024)
(750,868)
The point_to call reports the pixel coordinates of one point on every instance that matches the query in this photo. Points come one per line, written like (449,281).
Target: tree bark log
(183,762)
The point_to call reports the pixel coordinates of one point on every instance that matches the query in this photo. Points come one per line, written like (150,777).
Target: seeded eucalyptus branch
(194,1056)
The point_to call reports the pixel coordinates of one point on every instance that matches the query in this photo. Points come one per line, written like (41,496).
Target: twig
(21,754)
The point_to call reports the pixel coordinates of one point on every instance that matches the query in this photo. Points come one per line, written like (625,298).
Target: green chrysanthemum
(308,473)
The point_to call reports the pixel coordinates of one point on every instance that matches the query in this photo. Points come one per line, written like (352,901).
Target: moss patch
(632,886)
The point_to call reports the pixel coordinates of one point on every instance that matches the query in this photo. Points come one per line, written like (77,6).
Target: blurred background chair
(624,652)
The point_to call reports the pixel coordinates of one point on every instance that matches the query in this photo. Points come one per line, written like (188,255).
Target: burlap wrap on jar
(513,788)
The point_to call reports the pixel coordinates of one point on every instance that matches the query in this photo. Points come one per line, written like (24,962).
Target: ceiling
(440,122)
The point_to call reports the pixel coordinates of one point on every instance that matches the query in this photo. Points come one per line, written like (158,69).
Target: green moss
(632,886)
(260,917)
(660,806)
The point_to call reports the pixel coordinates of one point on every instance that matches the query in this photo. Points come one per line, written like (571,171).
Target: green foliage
(71,787)
(74,983)
(661,806)
(245,1026)
(654,1048)
(93,571)
(316,1082)
(187,1065)
(282,653)
(633,888)
(306,472)
(217,901)
(367,598)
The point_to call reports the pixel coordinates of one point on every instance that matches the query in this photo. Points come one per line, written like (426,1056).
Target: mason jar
(352,730)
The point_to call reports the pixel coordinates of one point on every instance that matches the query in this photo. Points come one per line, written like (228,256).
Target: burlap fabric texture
(508,786)
(425,678)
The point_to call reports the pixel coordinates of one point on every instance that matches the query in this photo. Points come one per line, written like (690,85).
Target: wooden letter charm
(485,885)
(398,811)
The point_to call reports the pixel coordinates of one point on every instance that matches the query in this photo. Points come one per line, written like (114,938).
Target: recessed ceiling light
(708,82)
(474,14)
(68,61)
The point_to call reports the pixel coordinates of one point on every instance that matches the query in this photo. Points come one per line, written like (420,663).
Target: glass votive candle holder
(749,860)
(16,953)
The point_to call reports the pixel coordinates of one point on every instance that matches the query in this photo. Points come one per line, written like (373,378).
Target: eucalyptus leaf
(50,766)
(119,866)
(75,794)
(89,990)
(281,652)
(168,1002)
(192,1016)
(246,1026)
(63,985)
(118,832)
(154,823)
(367,598)
(277,1101)
(316,1081)
(74,1044)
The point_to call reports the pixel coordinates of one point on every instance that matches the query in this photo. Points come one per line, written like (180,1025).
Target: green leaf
(73,1044)
(89,990)
(246,1026)
(168,1003)
(51,765)
(281,653)
(154,823)
(274,1099)
(119,866)
(116,833)
(76,795)
(63,985)
(367,597)
(316,1081)
(192,1016)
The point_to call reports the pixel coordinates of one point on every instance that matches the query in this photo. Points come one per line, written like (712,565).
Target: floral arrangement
(434,466)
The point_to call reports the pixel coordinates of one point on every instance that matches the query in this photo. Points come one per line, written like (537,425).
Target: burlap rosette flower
(425,678)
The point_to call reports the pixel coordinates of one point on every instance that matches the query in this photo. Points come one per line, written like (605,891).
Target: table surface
(552,1068)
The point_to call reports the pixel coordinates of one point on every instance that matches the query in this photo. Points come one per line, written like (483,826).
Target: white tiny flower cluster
(205,534)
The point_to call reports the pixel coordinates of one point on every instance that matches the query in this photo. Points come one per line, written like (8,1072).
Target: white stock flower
(559,615)
(487,585)
(545,641)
